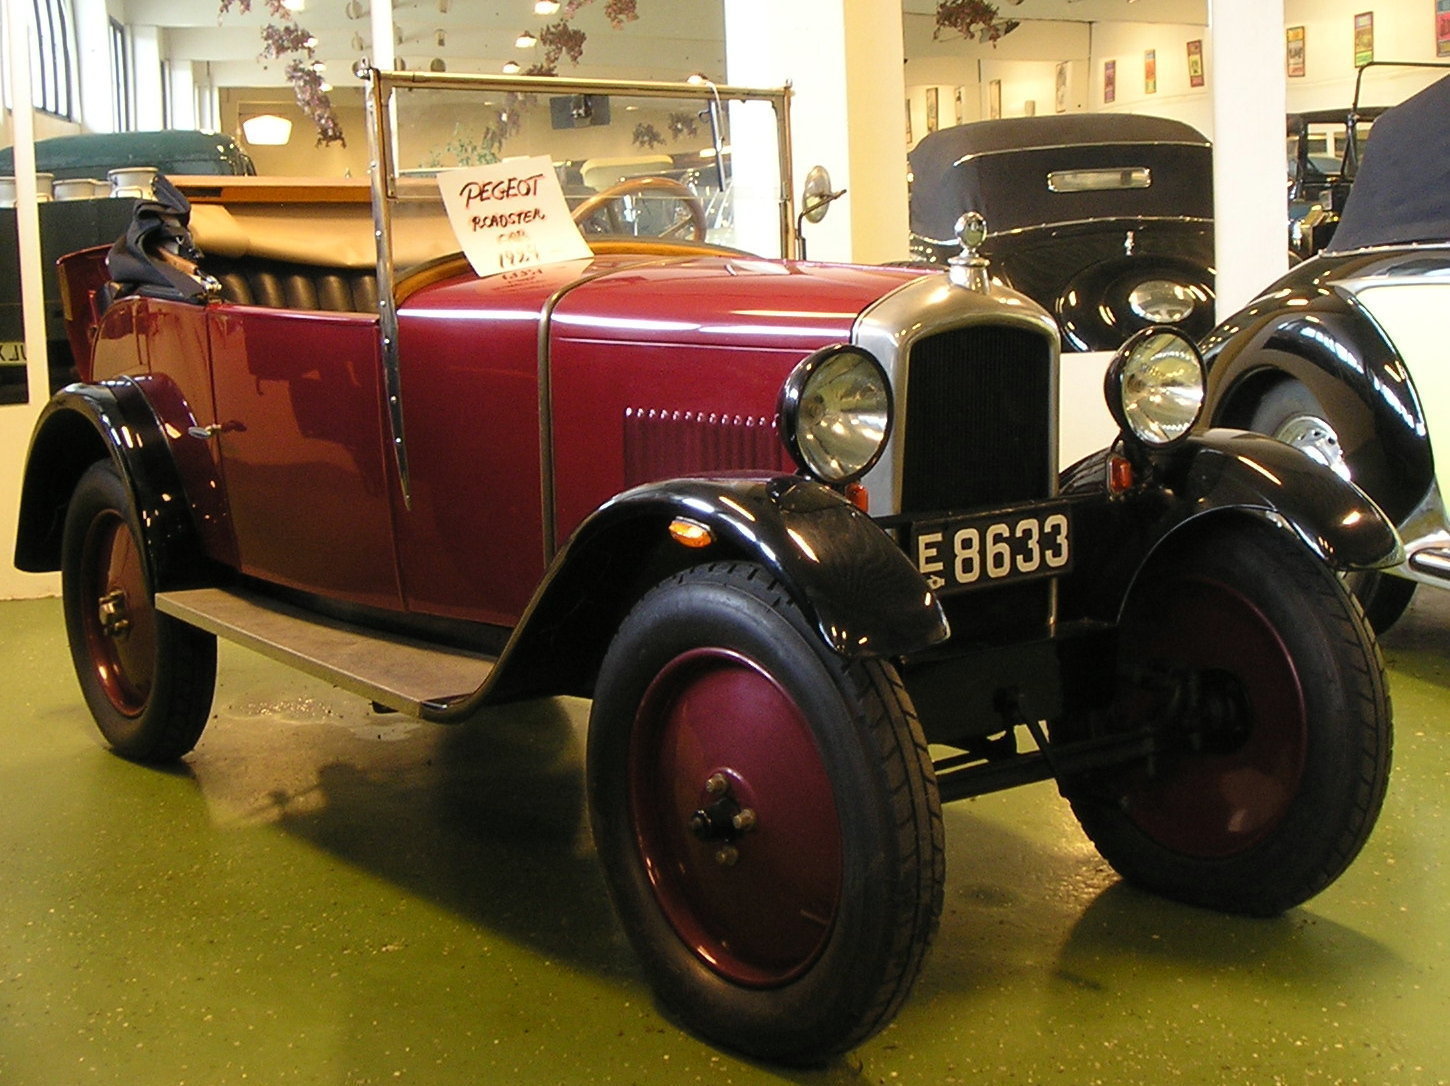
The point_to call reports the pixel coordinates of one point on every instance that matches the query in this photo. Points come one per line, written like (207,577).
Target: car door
(299,429)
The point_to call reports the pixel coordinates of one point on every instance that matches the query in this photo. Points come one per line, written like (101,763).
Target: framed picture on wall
(1442,28)
(908,122)
(1294,50)
(1110,80)
(1363,38)
(1059,96)
(994,99)
(1195,62)
(961,110)
(931,109)
(1150,72)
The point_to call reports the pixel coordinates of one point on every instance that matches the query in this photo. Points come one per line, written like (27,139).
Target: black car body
(1105,220)
(1343,356)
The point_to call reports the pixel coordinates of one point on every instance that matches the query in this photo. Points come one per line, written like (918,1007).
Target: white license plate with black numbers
(976,550)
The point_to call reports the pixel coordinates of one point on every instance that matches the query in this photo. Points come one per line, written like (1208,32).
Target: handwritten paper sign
(511,215)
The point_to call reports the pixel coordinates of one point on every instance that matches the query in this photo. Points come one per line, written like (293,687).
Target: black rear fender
(81,425)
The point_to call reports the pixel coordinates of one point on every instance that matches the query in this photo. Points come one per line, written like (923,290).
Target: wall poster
(1294,50)
(1195,62)
(1150,72)
(1110,80)
(1363,38)
(1442,28)
(932,106)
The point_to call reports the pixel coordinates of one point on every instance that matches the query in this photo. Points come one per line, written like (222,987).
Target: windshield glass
(642,161)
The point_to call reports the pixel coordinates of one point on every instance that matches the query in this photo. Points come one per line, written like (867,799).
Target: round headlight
(1155,386)
(1162,301)
(835,413)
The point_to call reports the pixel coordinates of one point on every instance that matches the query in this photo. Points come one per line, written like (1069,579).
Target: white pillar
(16,420)
(843,59)
(1248,85)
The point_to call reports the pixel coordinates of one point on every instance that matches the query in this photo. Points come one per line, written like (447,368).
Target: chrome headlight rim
(800,397)
(1151,362)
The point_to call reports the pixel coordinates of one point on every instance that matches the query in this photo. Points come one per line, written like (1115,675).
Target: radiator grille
(661,444)
(979,427)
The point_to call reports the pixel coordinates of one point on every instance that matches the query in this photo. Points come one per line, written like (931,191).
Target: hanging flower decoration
(282,41)
(618,12)
(647,135)
(682,124)
(972,19)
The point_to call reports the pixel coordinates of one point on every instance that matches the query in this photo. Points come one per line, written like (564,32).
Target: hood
(700,300)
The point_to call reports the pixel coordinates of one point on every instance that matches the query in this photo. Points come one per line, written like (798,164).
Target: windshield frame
(379,88)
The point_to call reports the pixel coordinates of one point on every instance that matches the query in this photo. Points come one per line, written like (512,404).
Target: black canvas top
(1402,191)
(1000,168)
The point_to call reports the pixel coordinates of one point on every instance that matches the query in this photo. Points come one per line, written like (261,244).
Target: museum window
(52,57)
(123,103)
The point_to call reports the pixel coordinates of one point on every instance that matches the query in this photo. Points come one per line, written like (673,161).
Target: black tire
(801,936)
(1294,415)
(1260,796)
(147,678)
(1383,596)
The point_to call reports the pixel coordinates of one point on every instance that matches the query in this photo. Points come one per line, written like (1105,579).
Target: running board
(389,669)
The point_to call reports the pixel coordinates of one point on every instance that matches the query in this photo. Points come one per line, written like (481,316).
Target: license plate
(980,549)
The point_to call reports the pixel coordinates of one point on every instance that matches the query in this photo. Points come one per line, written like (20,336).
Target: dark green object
(92,154)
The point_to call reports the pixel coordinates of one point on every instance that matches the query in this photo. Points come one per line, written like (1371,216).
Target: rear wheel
(147,678)
(766,816)
(1294,415)
(1264,695)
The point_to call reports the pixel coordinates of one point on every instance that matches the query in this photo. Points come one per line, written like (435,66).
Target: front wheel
(147,678)
(1258,686)
(766,815)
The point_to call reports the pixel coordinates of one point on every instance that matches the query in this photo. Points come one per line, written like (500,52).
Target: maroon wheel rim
(117,616)
(715,733)
(1216,803)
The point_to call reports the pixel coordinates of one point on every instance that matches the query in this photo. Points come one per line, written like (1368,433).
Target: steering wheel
(693,219)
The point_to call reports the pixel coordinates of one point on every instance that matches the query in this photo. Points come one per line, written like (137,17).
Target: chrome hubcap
(1314,437)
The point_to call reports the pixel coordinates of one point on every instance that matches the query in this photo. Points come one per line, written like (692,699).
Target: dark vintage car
(795,528)
(1343,356)
(1105,220)
(1323,150)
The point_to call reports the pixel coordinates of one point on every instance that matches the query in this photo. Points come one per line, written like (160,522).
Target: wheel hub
(1318,440)
(115,614)
(722,820)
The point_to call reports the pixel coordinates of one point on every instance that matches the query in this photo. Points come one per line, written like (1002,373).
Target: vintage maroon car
(796,528)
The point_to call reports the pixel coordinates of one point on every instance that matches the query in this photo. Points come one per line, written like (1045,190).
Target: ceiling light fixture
(545,7)
(526,40)
(511,68)
(267,130)
(294,6)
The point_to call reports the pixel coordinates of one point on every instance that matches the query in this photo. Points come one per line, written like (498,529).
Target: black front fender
(1215,474)
(1228,469)
(852,583)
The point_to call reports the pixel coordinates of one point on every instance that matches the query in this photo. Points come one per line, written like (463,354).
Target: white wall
(1403,30)
(1127,45)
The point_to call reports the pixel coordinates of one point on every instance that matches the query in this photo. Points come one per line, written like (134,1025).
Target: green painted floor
(320,895)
